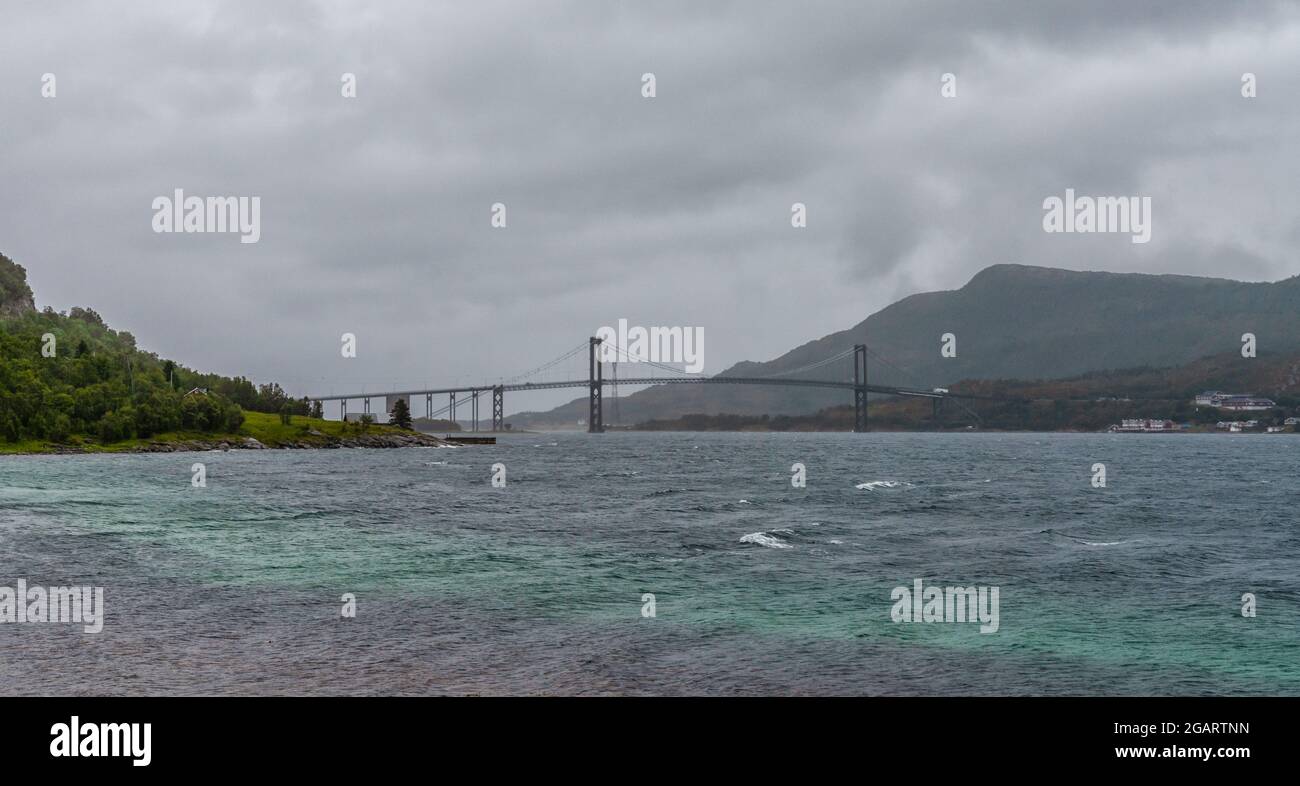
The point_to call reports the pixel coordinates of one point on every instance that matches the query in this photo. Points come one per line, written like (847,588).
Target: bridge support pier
(474,409)
(428,406)
(343,410)
(595,425)
(859,388)
(498,408)
(451,408)
(365,402)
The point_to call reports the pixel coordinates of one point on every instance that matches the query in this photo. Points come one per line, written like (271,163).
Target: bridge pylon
(498,408)
(595,424)
(859,388)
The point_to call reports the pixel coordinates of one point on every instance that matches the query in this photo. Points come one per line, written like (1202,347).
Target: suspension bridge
(595,382)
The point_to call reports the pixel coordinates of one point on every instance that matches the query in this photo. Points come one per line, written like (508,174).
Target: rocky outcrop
(15,296)
(404,440)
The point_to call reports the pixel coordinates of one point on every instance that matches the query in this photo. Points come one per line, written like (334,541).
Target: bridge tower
(498,408)
(859,388)
(595,425)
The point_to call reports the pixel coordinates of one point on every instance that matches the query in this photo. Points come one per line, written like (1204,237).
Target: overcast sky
(666,211)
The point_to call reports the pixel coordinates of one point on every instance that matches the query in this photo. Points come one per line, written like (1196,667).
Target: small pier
(463,439)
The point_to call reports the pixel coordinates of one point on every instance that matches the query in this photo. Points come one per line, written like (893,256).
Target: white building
(1240,402)
(1144,425)
(1246,403)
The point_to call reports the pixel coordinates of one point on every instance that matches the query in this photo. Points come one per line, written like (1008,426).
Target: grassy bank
(262,427)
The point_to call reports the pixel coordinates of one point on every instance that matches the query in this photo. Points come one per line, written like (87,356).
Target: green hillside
(66,377)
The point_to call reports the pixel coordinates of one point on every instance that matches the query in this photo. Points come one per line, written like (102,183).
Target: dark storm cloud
(666,211)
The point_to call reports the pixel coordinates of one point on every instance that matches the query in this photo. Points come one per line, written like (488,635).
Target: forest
(67,375)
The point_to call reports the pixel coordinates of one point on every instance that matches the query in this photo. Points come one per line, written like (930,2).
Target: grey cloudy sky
(670,211)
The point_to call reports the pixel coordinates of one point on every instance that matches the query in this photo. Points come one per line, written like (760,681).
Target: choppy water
(759,587)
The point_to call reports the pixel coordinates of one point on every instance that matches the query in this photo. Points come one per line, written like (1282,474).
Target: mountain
(1010,322)
(1088,402)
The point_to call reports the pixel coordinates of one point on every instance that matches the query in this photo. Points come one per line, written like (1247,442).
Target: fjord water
(759,587)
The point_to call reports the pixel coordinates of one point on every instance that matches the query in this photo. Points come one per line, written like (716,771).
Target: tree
(233,416)
(201,412)
(157,413)
(60,428)
(117,425)
(286,413)
(317,410)
(401,414)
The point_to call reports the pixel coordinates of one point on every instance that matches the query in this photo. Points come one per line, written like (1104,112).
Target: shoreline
(388,441)
(239,442)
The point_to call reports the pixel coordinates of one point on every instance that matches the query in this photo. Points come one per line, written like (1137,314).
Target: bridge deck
(632,381)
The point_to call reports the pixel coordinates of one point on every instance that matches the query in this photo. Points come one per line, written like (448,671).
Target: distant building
(1143,425)
(1246,403)
(1291,422)
(196,392)
(1235,401)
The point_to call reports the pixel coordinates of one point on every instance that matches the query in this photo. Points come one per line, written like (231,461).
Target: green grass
(263,427)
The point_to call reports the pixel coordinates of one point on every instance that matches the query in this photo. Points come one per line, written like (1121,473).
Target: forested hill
(66,376)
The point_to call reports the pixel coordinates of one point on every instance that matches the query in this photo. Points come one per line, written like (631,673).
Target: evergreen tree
(401,414)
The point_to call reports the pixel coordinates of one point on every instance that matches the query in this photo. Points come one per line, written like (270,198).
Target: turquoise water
(759,587)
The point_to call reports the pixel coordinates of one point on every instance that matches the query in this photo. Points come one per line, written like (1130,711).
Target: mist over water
(759,587)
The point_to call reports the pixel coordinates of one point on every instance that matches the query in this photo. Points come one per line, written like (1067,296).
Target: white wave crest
(872,485)
(764,539)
